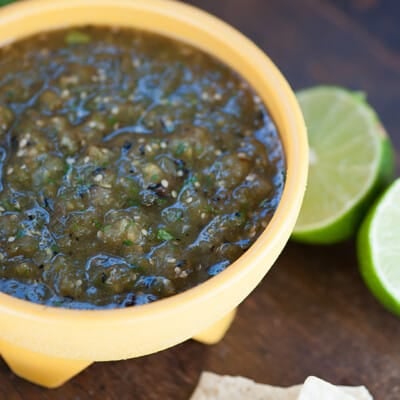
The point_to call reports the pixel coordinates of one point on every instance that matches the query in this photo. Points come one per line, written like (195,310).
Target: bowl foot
(217,331)
(52,372)
(39,368)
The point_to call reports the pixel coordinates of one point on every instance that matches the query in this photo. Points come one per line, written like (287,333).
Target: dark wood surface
(312,314)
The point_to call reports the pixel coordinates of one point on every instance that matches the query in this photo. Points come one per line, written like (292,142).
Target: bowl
(48,345)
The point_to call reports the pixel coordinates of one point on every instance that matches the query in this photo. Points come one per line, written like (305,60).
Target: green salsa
(132,167)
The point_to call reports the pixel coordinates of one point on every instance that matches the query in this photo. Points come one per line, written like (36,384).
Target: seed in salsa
(132,167)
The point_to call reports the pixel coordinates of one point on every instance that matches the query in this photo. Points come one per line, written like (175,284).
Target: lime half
(378,248)
(350,158)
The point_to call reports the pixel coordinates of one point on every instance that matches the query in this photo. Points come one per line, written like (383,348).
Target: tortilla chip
(216,387)
(317,389)
(321,388)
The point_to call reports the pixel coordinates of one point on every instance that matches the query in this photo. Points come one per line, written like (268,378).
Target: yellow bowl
(49,345)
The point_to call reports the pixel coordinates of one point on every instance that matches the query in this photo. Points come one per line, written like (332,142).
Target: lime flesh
(350,159)
(378,247)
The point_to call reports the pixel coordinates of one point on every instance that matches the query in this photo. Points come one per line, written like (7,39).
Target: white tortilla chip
(314,384)
(358,392)
(216,387)
(317,389)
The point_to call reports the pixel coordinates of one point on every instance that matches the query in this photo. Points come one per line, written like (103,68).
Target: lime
(351,158)
(378,248)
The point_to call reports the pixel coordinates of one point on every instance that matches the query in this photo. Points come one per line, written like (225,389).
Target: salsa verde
(132,167)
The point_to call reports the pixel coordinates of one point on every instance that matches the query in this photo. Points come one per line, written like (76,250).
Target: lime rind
(360,96)
(378,248)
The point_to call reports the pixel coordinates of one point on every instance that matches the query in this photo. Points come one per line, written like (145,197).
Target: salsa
(132,167)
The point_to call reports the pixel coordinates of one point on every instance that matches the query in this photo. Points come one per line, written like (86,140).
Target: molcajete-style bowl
(49,345)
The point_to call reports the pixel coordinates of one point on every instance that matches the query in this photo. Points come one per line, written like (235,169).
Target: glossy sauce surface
(132,168)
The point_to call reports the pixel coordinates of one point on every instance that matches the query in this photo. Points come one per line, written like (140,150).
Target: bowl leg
(217,331)
(38,368)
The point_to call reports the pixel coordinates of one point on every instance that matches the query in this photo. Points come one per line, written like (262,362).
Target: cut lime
(378,248)
(350,159)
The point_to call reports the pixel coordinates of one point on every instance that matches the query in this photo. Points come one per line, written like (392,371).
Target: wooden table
(312,313)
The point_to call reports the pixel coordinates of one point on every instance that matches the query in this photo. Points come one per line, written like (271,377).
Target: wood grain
(312,313)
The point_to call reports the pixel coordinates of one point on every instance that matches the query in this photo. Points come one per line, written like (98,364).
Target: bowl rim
(287,209)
